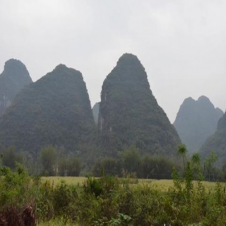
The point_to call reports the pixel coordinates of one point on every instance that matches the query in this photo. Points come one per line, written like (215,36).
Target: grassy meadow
(162,185)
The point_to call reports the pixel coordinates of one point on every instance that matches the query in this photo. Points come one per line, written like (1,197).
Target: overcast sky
(181,44)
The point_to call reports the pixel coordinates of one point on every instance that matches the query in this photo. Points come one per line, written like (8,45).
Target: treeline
(56,162)
(131,162)
(49,162)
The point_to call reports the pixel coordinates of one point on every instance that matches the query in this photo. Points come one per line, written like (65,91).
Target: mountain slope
(55,110)
(130,114)
(216,142)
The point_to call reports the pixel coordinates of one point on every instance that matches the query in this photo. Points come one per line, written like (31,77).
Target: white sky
(181,43)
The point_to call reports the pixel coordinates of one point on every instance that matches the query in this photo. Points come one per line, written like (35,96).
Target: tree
(74,166)
(69,166)
(108,166)
(48,156)
(209,162)
(156,167)
(182,151)
(196,161)
(10,158)
(132,160)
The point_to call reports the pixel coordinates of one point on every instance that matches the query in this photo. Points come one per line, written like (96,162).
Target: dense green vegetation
(55,111)
(54,162)
(129,113)
(112,201)
(14,77)
(49,162)
(196,121)
(131,162)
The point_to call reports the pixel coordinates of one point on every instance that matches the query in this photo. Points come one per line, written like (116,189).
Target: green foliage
(69,166)
(10,158)
(188,181)
(177,180)
(196,164)
(14,186)
(44,199)
(121,220)
(130,162)
(93,186)
(106,201)
(63,196)
(182,151)
(48,157)
(108,166)
(210,160)
(157,167)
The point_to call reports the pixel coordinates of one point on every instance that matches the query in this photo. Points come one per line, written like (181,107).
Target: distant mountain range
(196,121)
(55,110)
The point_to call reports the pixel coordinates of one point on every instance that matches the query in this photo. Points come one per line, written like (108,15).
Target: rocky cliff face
(196,121)
(130,114)
(55,110)
(216,142)
(14,77)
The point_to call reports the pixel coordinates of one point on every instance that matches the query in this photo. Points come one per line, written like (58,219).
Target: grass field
(56,222)
(165,200)
(162,185)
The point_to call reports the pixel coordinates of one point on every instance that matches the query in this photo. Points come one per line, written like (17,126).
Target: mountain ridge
(196,120)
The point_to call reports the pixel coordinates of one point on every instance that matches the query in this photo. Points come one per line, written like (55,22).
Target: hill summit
(196,121)
(55,110)
(13,78)
(129,113)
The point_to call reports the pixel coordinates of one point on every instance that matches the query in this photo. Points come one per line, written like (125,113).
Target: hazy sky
(181,44)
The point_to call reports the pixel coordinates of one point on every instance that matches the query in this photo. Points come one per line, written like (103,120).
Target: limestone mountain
(196,121)
(216,142)
(130,114)
(55,110)
(95,111)
(13,78)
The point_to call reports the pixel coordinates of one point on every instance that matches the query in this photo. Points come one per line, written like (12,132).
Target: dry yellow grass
(68,180)
(162,185)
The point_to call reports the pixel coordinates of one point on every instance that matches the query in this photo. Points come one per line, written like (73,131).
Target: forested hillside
(55,110)
(130,114)
(217,142)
